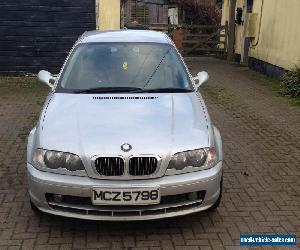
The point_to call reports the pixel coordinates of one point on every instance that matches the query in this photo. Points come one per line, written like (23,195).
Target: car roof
(128,36)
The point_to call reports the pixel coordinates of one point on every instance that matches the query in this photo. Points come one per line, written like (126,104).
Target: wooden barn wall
(38,34)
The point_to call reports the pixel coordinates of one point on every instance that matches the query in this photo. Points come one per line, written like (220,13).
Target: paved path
(261,138)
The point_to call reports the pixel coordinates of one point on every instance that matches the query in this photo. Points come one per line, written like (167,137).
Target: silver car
(124,133)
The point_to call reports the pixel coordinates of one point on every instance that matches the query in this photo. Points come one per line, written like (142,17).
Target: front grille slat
(141,166)
(115,166)
(110,166)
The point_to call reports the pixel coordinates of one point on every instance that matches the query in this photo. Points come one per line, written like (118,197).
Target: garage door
(38,34)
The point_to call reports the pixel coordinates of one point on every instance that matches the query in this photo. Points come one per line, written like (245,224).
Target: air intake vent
(125,97)
(110,166)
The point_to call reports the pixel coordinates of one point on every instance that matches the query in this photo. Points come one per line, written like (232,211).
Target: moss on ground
(9,85)
(272,83)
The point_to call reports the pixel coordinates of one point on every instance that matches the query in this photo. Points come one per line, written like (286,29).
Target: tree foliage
(290,83)
(199,12)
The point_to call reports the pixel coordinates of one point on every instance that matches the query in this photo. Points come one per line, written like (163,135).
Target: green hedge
(290,83)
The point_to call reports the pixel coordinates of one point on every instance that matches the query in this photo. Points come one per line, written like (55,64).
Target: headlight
(56,160)
(199,159)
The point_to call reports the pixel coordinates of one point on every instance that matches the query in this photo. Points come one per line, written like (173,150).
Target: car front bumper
(205,182)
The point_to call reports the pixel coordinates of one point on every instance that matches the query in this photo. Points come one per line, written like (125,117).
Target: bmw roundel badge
(126,147)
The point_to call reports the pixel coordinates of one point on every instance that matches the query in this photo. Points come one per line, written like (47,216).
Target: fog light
(193,196)
(58,198)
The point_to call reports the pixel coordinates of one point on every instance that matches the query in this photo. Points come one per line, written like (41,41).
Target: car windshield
(126,67)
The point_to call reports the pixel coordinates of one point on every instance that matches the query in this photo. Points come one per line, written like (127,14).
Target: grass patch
(271,83)
(11,85)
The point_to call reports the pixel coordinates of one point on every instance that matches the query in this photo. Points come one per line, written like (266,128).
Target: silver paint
(91,127)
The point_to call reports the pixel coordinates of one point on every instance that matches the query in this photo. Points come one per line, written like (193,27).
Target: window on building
(140,13)
(249,5)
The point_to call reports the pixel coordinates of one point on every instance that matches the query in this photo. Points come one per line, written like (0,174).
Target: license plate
(132,196)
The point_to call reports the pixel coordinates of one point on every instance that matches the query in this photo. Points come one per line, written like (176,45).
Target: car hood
(90,125)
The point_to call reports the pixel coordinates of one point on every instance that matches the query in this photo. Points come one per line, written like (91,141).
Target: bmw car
(124,133)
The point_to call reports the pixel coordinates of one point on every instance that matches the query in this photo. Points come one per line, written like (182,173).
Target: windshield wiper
(164,90)
(108,90)
(157,67)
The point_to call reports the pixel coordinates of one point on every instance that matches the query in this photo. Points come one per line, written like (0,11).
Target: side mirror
(47,78)
(202,77)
